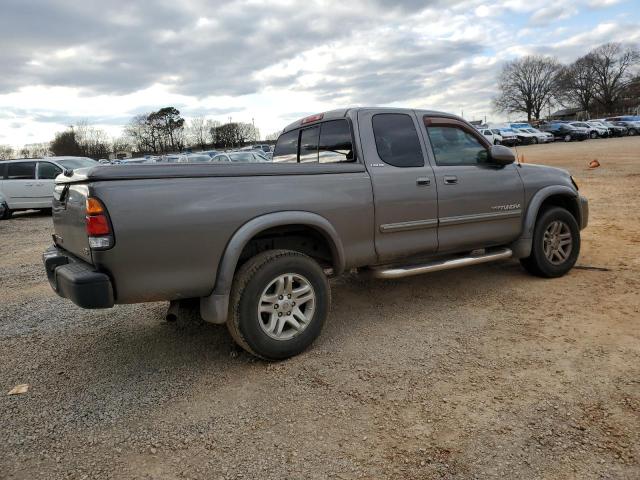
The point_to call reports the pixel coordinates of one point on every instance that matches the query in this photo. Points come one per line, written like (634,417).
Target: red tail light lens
(98,225)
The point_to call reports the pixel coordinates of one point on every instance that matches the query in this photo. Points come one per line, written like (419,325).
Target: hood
(543,175)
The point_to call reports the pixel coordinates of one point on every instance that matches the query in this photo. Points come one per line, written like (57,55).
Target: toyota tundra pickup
(387,192)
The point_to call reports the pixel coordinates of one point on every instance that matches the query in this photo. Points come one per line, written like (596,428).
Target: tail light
(98,225)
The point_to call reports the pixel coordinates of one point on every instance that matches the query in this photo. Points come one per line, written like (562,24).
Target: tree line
(604,82)
(158,132)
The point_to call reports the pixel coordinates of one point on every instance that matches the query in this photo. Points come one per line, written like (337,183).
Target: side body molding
(522,247)
(214,308)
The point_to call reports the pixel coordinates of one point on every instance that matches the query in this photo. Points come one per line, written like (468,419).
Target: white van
(28,184)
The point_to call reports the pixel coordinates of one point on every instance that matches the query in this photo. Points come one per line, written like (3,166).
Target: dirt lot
(484,372)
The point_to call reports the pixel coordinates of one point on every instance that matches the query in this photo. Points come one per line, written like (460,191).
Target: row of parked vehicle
(252,154)
(512,134)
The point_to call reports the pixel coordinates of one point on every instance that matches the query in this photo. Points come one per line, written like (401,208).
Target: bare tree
(272,136)
(198,133)
(6,152)
(577,84)
(527,85)
(613,65)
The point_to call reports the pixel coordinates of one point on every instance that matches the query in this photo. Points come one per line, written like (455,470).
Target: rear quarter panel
(170,234)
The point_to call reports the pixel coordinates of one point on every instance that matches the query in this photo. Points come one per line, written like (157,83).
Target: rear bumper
(76,280)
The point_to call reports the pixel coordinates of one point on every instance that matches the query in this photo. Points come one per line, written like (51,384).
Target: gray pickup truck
(389,192)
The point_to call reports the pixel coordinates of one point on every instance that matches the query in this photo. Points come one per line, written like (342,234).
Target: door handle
(423,181)
(28,184)
(450,179)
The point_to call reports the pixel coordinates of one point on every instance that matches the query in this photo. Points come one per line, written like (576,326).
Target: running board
(437,265)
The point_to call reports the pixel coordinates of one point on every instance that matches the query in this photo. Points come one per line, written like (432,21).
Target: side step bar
(437,265)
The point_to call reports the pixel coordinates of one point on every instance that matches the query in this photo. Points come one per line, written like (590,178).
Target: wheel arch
(553,195)
(214,307)
(257,226)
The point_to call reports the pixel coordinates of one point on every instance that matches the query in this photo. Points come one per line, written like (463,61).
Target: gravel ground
(482,372)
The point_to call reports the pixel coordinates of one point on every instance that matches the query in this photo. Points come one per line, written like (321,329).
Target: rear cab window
(326,142)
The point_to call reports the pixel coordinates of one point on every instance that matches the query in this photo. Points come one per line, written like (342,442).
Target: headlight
(575,184)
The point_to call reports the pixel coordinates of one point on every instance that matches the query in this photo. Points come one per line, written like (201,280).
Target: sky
(272,62)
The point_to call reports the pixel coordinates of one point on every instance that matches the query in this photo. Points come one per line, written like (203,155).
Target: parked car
(264,148)
(239,157)
(4,209)
(491,136)
(509,137)
(28,184)
(616,130)
(525,137)
(194,158)
(625,118)
(633,128)
(256,242)
(594,131)
(566,132)
(542,137)
(610,128)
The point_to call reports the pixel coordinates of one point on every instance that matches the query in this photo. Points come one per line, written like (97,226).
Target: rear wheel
(556,244)
(279,302)
(632,132)
(7,214)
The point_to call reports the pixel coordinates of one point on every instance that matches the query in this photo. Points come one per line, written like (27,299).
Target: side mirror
(502,155)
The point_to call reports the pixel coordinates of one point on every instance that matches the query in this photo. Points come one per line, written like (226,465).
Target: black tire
(250,282)
(593,135)
(7,214)
(537,263)
(534,140)
(632,132)
(567,138)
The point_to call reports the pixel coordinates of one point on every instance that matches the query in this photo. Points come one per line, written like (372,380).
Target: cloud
(65,61)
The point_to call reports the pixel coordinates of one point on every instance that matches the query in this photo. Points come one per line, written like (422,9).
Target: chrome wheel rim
(286,306)
(557,242)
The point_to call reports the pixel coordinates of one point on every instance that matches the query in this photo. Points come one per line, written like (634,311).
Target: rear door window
(21,171)
(397,140)
(48,171)
(286,150)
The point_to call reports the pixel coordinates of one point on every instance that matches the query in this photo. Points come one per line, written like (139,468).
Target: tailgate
(69,212)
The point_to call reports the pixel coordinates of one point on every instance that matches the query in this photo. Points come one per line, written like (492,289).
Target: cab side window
(453,145)
(48,171)
(397,140)
(21,171)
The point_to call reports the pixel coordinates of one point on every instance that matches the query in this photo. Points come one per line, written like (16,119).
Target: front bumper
(583,204)
(76,280)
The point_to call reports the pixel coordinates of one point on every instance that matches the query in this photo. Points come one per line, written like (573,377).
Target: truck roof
(345,112)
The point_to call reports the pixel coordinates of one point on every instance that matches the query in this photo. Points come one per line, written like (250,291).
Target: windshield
(507,130)
(73,163)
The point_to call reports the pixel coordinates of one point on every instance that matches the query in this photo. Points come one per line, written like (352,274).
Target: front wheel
(279,302)
(556,244)
(6,215)
(567,138)
(632,132)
